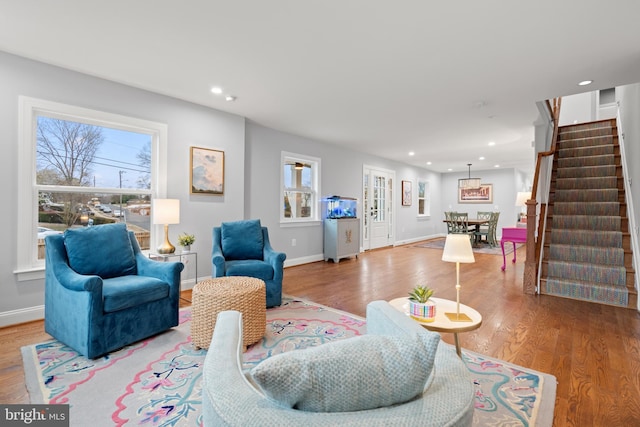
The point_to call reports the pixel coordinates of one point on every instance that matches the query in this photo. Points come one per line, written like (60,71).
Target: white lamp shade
(165,211)
(457,248)
(522,197)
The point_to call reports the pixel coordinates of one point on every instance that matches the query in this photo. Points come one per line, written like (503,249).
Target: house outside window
(423,198)
(299,189)
(84,168)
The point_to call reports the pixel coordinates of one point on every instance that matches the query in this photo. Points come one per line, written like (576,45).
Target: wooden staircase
(587,247)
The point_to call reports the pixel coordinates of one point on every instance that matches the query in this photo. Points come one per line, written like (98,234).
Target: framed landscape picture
(484,194)
(406,193)
(207,171)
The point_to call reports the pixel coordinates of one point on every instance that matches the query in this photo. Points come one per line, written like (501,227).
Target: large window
(83,168)
(300,180)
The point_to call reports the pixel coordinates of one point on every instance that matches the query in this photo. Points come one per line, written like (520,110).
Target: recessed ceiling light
(449,169)
(585,82)
(491,144)
(428,163)
(411,153)
(217,90)
(229,98)
(481,158)
(496,166)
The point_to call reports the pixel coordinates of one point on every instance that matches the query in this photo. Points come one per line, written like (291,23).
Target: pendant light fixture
(469,183)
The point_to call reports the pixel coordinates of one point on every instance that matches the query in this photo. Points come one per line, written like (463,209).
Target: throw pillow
(359,373)
(242,239)
(103,250)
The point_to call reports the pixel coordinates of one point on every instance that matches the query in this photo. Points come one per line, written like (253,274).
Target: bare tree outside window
(66,152)
(144,160)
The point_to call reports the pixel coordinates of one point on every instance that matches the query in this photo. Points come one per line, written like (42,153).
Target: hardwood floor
(593,350)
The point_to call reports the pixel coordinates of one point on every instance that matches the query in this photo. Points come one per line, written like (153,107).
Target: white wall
(188,125)
(341,174)
(629,99)
(579,108)
(252,166)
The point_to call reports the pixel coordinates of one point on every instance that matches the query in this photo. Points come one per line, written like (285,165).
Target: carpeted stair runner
(586,255)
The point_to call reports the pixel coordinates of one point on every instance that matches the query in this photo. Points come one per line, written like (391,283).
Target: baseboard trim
(303,260)
(23,315)
(417,239)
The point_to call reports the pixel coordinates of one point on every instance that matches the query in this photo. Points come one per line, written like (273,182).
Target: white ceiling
(442,79)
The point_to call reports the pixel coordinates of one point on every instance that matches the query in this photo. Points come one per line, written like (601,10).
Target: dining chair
(493,227)
(488,230)
(447,217)
(460,224)
(483,229)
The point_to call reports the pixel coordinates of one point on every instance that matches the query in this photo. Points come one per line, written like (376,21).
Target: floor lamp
(457,248)
(165,212)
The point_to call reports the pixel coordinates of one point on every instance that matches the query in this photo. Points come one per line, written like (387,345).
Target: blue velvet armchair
(242,248)
(102,293)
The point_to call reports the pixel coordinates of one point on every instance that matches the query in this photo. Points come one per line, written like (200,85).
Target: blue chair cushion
(124,292)
(365,372)
(242,239)
(251,268)
(103,250)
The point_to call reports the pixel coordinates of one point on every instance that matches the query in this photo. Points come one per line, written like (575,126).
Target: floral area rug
(481,248)
(157,382)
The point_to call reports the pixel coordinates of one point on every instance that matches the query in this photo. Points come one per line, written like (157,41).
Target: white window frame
(29,267)
(426,198)
(315,188)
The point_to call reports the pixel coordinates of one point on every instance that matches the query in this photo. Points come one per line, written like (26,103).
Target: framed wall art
(207,171)
(406,193)
(484,194)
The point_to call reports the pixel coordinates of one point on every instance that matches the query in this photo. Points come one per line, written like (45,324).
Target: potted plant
(186,240)
(420,306)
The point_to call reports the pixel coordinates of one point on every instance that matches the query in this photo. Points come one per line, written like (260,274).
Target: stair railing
(633,231)
(544,161)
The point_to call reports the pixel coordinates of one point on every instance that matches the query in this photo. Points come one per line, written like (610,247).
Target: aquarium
(339,207)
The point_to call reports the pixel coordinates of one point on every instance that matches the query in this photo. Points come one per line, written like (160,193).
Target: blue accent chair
(242,248)
(102,293)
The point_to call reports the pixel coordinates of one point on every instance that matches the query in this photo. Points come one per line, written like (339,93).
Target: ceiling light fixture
(411,153)
(230,98)
(217,90)
(469,183)
(585,82)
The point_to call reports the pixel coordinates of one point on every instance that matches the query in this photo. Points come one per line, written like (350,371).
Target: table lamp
(457,248)
(165,212)
(521,200)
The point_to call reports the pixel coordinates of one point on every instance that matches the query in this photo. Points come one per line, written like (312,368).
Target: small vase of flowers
(186,240)
(420,306)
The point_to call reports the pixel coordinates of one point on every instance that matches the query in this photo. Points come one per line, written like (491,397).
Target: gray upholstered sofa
(231,399)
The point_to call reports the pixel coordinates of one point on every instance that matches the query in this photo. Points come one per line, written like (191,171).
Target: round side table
(442,323)
(244,294)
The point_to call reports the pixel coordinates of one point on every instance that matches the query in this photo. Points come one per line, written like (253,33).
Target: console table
(182,257)
(514,235)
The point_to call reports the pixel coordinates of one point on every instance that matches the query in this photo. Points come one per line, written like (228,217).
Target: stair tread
(587,166)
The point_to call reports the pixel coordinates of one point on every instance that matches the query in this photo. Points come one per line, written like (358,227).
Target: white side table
(442,322)
(183,257)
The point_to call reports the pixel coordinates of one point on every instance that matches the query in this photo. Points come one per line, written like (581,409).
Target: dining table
(475,222)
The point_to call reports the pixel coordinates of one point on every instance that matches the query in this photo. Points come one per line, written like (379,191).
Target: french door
(377,224)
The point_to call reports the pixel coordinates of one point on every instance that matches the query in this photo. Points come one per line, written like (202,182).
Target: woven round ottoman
(247,295)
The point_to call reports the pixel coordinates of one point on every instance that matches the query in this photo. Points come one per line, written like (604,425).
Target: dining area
(481,229)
